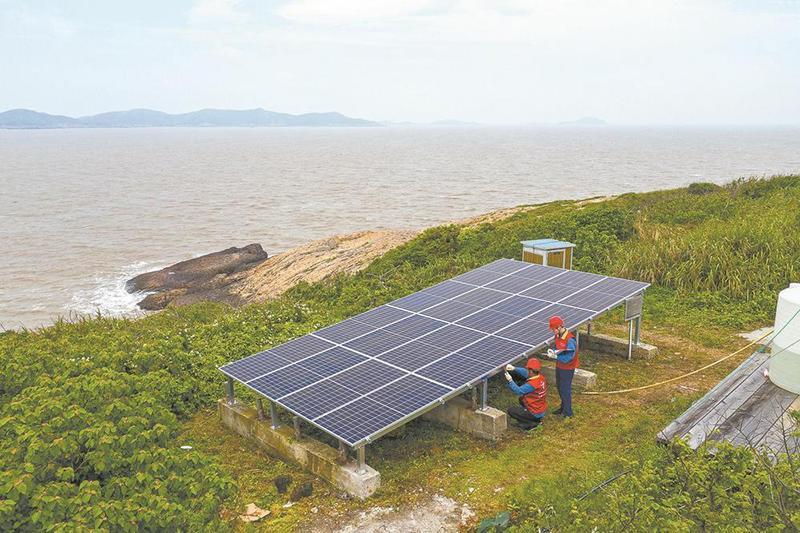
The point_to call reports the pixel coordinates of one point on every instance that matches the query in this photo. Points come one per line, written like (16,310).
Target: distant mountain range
(140,118)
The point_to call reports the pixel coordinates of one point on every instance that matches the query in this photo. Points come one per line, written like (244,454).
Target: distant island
(143,118)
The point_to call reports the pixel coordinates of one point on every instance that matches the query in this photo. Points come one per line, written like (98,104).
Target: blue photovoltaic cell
(358,420)
(513,284)
(414,326)
(319,398)
(577,279)
(589,299)
(488,321)
(479,277)
(254,366)
(540,273)
(376,343)
(620,287)
(494,351)
(505,266)
(417,301)
(344,331)
(520,306)
(301,347)
(550,291)
(456,370)
(413,355)
(451,337)
(448,289)
(368,376)
(332,361)
(571,316)
(482,297)
(408,394)
(450,311)
(284,381)
(527,331)
(381,316)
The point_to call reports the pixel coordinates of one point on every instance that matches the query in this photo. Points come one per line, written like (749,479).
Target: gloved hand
(551,354)
(508,376)
(509,368)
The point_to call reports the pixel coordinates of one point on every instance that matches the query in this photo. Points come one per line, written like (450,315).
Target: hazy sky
(494,61)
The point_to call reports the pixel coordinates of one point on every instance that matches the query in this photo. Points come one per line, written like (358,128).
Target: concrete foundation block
(320,459)
(583,379)
(459,414)
(608,345)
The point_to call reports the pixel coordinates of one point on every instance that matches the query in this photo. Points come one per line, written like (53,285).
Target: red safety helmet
(534,364)
(556,322)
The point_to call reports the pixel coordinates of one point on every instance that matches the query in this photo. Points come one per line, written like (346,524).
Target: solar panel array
(361,377)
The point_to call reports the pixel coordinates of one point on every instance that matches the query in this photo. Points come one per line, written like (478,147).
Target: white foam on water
(108,296)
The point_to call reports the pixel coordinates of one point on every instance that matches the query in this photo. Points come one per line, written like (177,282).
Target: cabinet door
(556,259)
(530,257)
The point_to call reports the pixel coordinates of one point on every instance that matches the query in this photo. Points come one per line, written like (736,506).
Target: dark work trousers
(564,385)
(523,416)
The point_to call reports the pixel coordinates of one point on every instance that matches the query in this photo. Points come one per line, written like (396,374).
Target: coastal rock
(201,278)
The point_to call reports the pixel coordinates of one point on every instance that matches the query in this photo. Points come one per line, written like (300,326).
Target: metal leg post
(474,397)
(342,452)
(296,424)
(630,340)
(589,328)
(637,334)
(484,394)
(260,408)
(273,416)
(229,392)
(361,459)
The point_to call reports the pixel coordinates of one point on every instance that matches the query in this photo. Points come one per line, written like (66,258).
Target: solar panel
(359,378)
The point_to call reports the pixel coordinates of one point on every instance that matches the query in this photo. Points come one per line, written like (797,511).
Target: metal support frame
(229,392)
(260,408)
(342,452)
(484,394)
(589,327)
(578,337)
(361,462)
(474,397)
(637,332)
(273,416)
(297,428)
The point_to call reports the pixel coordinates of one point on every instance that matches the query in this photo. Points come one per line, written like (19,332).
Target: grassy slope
(716,256)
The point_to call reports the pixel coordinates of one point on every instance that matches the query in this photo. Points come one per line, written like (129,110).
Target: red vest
(536,401)
(561,344)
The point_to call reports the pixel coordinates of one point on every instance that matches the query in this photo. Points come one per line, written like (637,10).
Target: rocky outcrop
(203,278)
(316,261)
(243,275)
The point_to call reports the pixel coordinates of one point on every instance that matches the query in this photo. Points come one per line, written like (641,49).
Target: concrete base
(319,458)
(583,379)
(459,414)
(606,344)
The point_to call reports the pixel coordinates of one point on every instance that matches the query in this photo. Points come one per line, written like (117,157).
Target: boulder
(201,278)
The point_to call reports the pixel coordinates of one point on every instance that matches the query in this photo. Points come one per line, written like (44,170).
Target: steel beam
(484,394)
(637,334)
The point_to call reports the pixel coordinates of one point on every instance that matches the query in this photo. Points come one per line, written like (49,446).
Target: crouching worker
(532,393)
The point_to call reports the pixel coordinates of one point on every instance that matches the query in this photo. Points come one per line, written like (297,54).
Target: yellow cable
(740,350)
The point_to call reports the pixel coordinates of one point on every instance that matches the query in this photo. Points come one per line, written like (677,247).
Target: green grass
(717,257)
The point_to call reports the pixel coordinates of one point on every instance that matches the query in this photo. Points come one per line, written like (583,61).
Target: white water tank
(784,367)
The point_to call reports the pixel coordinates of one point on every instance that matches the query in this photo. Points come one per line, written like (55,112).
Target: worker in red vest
(566,356)
(532,393)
